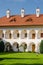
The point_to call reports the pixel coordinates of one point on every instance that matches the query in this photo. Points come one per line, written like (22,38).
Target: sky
(15,6)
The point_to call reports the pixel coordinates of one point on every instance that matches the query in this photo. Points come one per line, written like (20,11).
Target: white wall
(19,40)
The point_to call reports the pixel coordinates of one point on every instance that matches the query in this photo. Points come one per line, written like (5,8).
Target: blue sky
(16,5)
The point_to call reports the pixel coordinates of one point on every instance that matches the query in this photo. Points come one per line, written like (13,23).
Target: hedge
(41,46)
(1,46)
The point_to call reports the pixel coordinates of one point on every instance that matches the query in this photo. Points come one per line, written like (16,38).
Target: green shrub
(41,46)
(1,46)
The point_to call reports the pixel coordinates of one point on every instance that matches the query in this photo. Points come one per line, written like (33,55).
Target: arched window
(15,46)
(40,34)
(8,47)
(23,34)
(32,34)
(32,47)
(1,34)
(8,34)
(16,34)
(23,47)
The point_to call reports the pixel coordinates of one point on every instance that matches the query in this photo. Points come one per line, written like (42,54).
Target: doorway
(33,47)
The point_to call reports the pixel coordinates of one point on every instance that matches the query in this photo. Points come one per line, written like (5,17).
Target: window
(29,19)
(8,34)
(41,34)
(33,36)
(13,20)
(1,33)
(23,34)
(16,34)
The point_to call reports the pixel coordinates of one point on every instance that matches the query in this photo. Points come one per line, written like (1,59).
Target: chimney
(37,12)
(8,13)
(22,12)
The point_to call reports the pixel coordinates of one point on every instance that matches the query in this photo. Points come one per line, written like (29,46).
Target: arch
(16,34)
(24,44)
(32,34)
(8,34)
(23,47)
(8,47)
(32,47)
(1,34)
(23,34)
(15,46)
(40,34)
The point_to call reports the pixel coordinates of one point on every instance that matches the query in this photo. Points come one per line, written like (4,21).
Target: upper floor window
(40,34)
(16,34)
(23,34)
(1,34)
(8,34)
(32,34)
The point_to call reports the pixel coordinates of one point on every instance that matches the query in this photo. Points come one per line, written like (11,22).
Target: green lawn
(21,59)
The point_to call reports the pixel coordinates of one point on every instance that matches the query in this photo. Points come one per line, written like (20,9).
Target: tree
(1,46)
(41,46)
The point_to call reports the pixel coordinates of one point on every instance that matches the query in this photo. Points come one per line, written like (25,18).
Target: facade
(22,30)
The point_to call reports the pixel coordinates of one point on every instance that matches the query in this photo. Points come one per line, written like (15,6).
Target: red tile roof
(17,20)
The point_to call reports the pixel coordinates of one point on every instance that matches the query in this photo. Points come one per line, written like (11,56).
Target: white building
(22,30)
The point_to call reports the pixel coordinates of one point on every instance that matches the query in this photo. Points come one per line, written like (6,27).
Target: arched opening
(23,47)
(23,34)
(40,34)
(16,34)
(32,34)
(8,34)
(32,47)
(15,46)
(1,34)
(8,47)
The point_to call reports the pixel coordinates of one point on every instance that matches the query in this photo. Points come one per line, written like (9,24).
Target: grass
(21,59)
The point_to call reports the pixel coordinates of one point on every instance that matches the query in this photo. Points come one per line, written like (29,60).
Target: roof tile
(17,20)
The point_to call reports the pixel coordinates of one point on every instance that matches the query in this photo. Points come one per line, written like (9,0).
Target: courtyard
(9,58)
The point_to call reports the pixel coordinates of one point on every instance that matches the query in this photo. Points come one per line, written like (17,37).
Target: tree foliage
(41,46)
(1,46)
